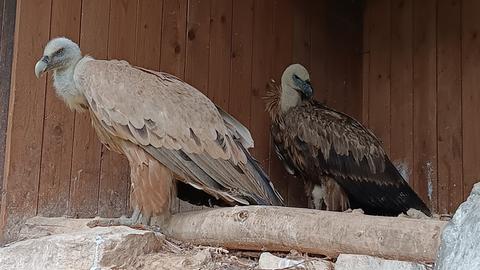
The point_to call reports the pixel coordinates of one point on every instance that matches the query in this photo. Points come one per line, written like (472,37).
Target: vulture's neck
(289,97)
(66,89)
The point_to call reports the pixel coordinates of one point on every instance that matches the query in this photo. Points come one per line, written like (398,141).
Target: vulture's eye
(60,52)
(296,77)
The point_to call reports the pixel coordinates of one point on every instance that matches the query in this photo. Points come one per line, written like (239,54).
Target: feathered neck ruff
(272,100)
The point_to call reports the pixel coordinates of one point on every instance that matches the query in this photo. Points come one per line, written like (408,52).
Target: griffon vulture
(341,162)
(173,135)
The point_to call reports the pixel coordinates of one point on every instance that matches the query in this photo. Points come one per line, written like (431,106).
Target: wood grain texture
(220,52)
(336,58)
(149,33)
(302,25)
(198,42)
(241,61)
(351,15)
(318,50)
(59,123)
(401,82)
(173,37)
(25,118)
(470,94)
(262,60)
(424,94)
(367,14)
(7,26)
(311,231)
(449,105)
(379,75)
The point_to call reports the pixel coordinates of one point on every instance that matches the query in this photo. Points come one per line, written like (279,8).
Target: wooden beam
(311,231)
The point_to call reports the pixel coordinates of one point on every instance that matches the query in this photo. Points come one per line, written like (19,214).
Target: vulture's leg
(152,191)
(335,197)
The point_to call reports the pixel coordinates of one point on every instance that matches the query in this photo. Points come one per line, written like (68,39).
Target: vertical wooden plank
(7,26)
(198,38)
(261,73)
(149,33)
(336,58)
(220,52)
(241,61)
(449,106)
(25,118)
(401,130)
(424,96)
(353,17)
(379,75)
(172,58)
(366,63)
(114,175)
(302,17)
(173,37)
(58,123)
(470,94)
(86,159)
(318,53)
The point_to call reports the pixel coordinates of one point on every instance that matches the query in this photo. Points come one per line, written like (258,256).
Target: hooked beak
(304,88)
(307,90)
(42,66)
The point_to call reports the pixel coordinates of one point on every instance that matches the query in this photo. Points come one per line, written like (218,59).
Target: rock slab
(363,262)
(460,246)
(97,248)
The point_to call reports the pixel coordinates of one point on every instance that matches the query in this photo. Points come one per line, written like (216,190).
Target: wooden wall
(421,77)
(229,49)
(7,28)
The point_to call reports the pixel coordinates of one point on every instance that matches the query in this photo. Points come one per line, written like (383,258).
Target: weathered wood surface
(312,231)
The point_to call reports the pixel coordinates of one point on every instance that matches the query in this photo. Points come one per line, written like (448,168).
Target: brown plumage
(168,130)
(342,163)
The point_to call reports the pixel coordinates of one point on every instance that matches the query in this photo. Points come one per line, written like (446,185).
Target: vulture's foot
(136,221)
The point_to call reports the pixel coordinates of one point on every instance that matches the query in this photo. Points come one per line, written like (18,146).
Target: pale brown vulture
(174,137)
(341,162)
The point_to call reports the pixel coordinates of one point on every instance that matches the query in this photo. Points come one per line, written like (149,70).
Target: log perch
(311,231)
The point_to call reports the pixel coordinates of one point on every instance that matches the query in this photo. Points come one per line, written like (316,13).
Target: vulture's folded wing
(177,125)
(321,139)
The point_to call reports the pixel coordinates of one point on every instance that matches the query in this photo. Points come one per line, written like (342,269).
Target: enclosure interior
(407,69)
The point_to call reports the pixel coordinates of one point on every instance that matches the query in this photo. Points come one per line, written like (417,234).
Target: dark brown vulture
(341,162)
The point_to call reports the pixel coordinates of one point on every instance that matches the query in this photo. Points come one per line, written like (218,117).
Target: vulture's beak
(304,88)
(42,66)
(307,90)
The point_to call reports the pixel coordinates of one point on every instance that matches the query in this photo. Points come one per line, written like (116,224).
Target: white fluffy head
(59,53)
(295,86)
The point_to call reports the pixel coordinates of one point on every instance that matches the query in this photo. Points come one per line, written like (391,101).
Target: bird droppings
(96,259)
(428,168)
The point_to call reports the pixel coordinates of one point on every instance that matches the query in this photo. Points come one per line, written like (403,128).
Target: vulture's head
(295,86)
(59,54)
